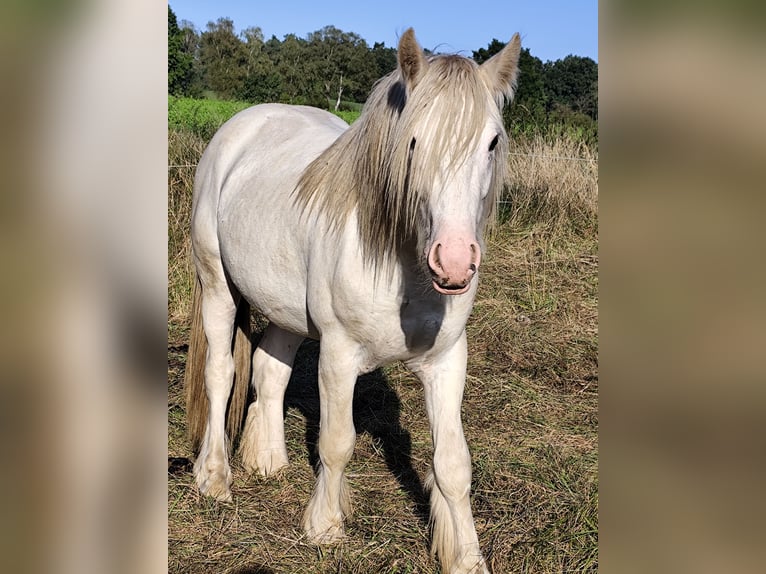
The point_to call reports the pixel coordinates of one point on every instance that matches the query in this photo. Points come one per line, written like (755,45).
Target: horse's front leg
(453,530)
(338,370)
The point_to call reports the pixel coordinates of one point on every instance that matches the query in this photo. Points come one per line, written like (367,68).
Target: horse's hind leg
(219,308)
(263,441)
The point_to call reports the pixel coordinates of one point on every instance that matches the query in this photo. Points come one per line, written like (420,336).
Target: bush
(201,117)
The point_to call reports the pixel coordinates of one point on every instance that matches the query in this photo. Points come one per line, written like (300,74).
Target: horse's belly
(265,259)
(279,295)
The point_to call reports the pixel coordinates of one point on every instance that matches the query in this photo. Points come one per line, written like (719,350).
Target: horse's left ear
(502,69)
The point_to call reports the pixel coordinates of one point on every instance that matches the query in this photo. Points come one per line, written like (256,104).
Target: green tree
(263,83)
(527,112)
(385,59)
(190,45)
(342,63)
(223,59)
(180,62)
(573,82)
(551,96)
(297,71)
(483,54)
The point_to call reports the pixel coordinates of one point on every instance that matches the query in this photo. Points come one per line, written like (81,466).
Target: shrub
(201,117)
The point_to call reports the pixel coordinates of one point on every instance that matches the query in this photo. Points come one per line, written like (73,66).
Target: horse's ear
(502,69)
(412,60)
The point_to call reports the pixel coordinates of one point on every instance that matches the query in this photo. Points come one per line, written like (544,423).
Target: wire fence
(500,201)
(588,159)
(588,163)
(554,157)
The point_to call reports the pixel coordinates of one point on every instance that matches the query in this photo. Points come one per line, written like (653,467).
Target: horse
(366,237)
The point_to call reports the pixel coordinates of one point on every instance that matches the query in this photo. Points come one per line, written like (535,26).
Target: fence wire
(556,157)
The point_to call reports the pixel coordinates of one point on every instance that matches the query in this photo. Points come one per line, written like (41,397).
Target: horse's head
(456,151)
(424,162)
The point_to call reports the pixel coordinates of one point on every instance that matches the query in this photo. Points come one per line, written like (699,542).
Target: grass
(203,117)
(349,116)
(552,183)
(184,150)
(530,409)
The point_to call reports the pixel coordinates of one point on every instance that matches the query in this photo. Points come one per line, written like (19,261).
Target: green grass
(203,117)
(348,116)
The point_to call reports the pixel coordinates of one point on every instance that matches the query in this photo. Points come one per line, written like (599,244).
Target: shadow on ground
(377,411)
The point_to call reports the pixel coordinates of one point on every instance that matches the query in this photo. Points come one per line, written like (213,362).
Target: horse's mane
(386,164)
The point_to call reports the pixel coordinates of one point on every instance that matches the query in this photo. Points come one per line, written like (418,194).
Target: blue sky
(551,29)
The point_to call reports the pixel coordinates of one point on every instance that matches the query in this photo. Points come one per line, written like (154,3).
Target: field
(530,410)
(203,117)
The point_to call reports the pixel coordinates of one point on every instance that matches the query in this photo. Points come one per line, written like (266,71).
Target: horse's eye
(494,143)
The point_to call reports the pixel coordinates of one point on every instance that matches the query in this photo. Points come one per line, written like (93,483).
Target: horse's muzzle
(453,262)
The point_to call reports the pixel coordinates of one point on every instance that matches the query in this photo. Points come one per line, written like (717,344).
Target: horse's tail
(196,398)
(243,357)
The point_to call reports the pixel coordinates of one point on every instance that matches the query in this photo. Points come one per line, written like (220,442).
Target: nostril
(475,256)
(437,259)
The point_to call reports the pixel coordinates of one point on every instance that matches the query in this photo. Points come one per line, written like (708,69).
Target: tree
(483,54)
(331,66)
(529,102)
(573,82)
(262,83)
(180,62)
(223,59)
(552,94)
(342,64)
(190,46)
(385,59)
(297,70)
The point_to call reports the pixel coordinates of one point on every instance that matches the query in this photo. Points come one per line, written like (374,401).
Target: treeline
(334,69)
(552,97)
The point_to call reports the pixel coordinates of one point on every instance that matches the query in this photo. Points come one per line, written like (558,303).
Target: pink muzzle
(453,261)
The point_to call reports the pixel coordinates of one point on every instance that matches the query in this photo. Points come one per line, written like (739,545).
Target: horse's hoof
(266,463)
(215,484)
(331,535)
(216,489)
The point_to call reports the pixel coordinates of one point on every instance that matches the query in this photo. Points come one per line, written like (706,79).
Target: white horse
(367,238)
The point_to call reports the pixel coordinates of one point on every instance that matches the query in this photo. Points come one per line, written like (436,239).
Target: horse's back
(244,212)
(258,138)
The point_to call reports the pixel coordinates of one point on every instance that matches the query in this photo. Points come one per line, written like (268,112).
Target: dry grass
(530,415)
(554,184)
(184,150)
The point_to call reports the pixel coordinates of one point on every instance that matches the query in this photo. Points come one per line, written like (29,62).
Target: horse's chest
(416,329)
